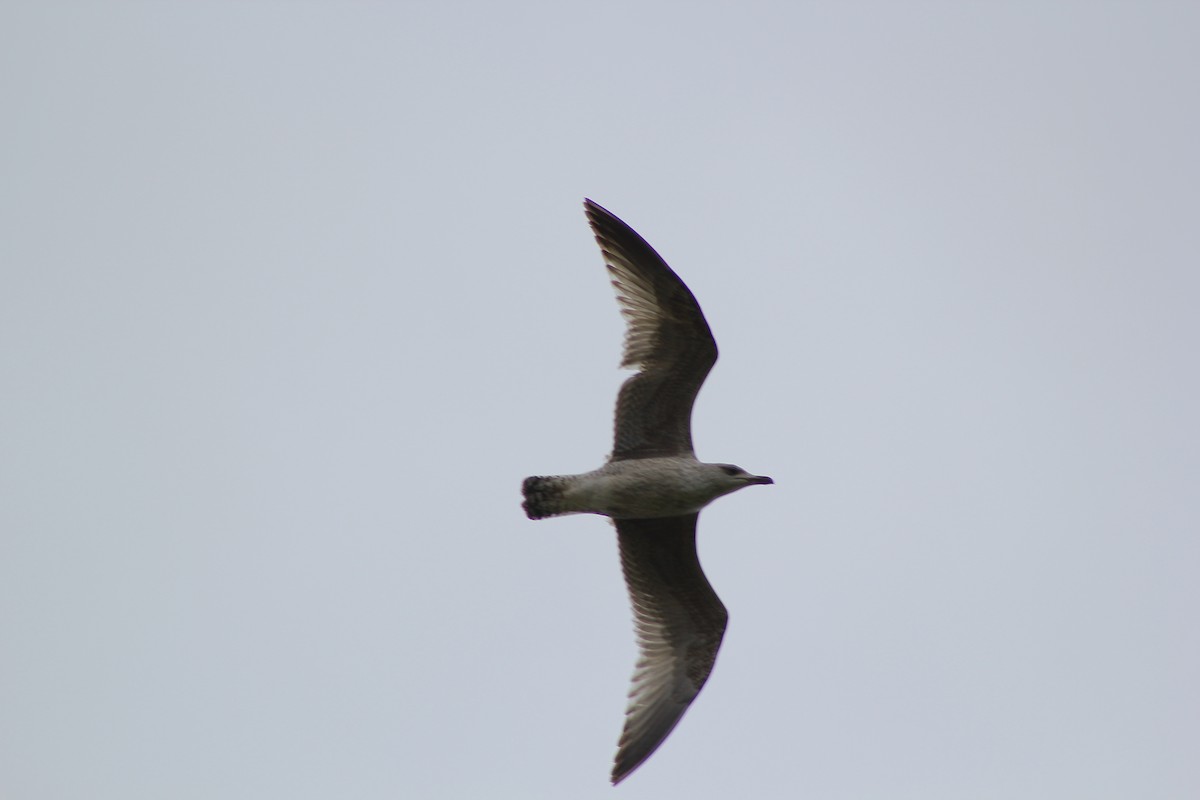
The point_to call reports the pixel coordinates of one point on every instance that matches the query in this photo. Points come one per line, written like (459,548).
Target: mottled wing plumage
(679,621)
(667,338)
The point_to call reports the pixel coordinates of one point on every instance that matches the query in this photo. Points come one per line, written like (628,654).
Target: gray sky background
(295,294)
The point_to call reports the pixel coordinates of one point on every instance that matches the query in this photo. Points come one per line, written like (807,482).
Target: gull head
(733,477)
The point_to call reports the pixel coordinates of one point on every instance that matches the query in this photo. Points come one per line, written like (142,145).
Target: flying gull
(653,488)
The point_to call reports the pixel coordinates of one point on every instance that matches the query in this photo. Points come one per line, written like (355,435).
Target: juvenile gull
(653,488)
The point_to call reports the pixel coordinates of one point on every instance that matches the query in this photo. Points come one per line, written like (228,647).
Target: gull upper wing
(666,337)
(679,621)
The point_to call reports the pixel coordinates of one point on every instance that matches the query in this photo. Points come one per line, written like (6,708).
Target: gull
(652,487)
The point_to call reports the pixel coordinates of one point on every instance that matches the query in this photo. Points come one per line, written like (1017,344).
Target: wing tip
(624,767)
(597,215)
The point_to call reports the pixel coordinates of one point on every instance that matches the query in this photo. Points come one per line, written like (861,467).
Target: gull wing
(667,339)
(679,621)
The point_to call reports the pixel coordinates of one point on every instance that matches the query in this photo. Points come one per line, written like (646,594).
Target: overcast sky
(294,294)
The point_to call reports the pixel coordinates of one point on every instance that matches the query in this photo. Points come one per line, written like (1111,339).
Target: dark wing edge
(679,621)
(666,337)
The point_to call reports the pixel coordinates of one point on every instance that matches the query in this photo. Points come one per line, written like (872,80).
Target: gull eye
(728,470)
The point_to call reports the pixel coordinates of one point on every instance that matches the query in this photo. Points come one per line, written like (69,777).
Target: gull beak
(763,479)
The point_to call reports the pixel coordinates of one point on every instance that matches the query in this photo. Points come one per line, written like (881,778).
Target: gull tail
(545,496)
